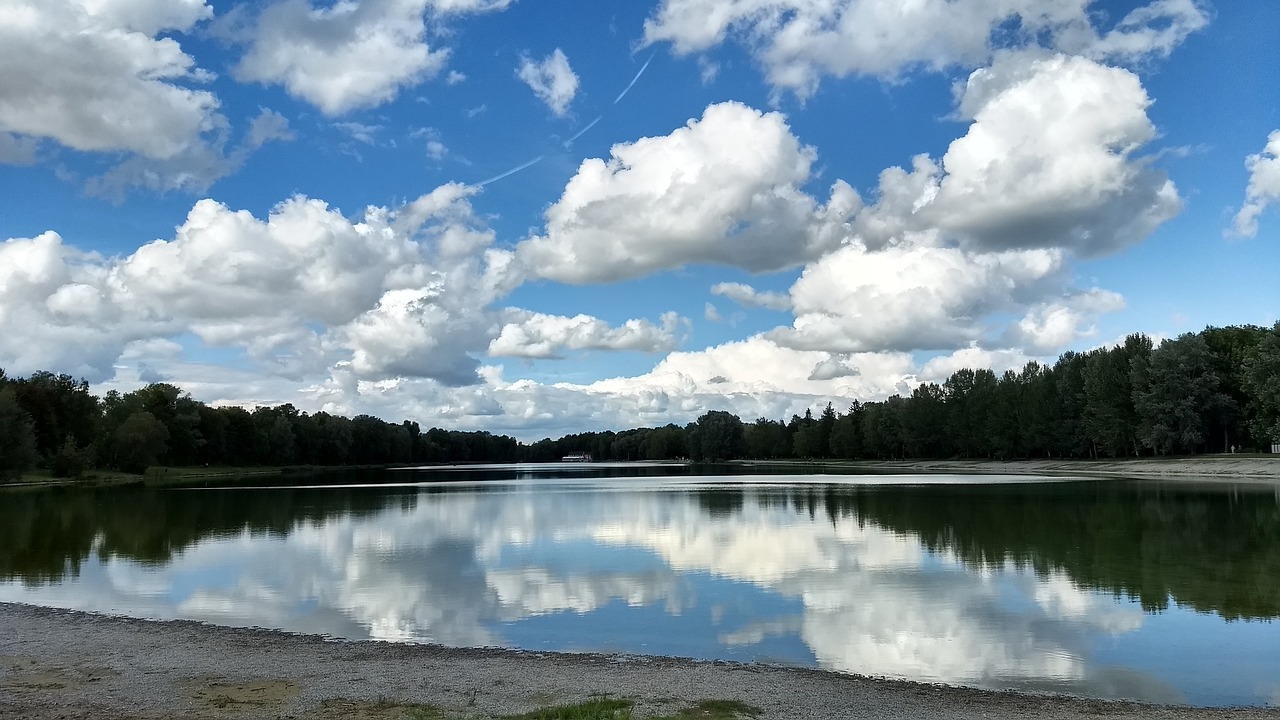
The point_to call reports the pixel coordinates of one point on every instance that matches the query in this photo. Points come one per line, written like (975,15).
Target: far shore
(1235,467)
(1195,467)
(66,664)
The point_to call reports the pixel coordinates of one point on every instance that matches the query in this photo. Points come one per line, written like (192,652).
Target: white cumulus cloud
(797,42)
(111,77)
(910,298)
(551,79)
(348,55)
(749,296)
(94,76)
(1264,186)
(724,189)
(538,335)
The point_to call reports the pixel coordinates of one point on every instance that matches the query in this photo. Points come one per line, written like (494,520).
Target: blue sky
(752,205)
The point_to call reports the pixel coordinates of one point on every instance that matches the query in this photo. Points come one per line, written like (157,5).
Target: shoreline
(69,664)
(1201,467)
(1252,468)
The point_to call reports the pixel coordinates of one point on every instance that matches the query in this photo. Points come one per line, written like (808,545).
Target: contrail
(627,89)
(511,172)
(578,134)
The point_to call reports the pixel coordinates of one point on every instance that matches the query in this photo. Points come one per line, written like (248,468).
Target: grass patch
(597,708)
(605,708)
(718,710)
(381,709)
(423,712)
(43,478)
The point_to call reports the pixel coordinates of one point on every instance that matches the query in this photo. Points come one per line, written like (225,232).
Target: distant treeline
(1212,391)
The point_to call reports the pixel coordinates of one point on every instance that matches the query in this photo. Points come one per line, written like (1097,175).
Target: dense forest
(1213,391)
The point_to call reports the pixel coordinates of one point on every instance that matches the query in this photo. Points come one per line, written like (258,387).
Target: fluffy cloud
(920,298)
(1050,326)
(696,195)
(348,55)
(1046,170)
(1264,186)
(799,41)
(1048,161)
(108,76)
(93,75)
(57,310)
(392,292)
(537,335)
(757,377)
(552,80)
(938,369)
(749,296)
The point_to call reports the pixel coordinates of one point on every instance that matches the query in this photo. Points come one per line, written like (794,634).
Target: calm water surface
(1156,591)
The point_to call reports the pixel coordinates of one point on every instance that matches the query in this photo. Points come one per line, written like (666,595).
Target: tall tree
(767,439)
(59,406)
(717,435)
(846,436)
(17,436)
(1070,439)
(139,442)
(1109,417)
(1004,424)
(1260,381)
(1182,395)
(924,422)
(1232,347)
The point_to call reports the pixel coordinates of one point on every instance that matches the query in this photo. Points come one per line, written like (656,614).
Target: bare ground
(1262,468)
(70,665)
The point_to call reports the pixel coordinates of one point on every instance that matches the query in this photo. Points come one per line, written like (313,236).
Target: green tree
(69,461)
(1260,381)
(180,416)
(58,405)
(139,441)
(17,437)
(1070,438)
(1109,417)
(717,435)
(664,443)
(846,436)
(1004,423)
(1038,409)
(924,422)
(767,439)
(1181,396)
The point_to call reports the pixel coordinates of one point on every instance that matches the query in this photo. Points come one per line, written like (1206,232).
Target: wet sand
(63,664)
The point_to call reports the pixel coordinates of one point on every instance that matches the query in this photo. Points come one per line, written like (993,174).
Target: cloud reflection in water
(736,573)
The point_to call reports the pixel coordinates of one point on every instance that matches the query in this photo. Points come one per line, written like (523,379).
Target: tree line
(1213,391)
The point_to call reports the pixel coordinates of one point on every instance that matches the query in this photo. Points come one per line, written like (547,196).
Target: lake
(1149,590)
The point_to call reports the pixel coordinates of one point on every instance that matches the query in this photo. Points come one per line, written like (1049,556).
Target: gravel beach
(63,664)
(1234,468)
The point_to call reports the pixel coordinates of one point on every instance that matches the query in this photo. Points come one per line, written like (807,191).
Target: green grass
(604,708)
(90,477)
(718,710)
(597,708)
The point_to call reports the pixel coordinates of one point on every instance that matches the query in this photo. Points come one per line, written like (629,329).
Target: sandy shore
(1207,467)
(61,664)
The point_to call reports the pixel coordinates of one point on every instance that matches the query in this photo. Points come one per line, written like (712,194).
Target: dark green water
(1157,591)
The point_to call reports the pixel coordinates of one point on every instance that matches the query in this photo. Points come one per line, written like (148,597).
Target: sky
(537,218)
